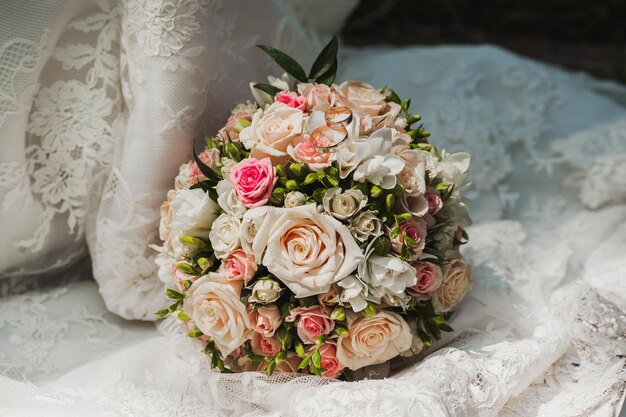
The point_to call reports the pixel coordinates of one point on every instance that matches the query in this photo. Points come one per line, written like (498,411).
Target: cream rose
(365,225)
(265,320)
(361,96)
(224,235)
(265,291)
(272,131)
(295,199)
(457,282)
(228,199)
(308,251)
(214,307)
(343,205)
(373,340)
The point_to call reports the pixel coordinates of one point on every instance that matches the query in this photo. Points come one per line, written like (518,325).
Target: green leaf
(310,178)
(316,358)
(162,313)
(329,76)
(424,337)
(183,316)
(304,362)
(208,172)
(391,95)
(270,367)
(445,327)
(325,59)
(195,333)
(286,62)
(173,294)
(268,89)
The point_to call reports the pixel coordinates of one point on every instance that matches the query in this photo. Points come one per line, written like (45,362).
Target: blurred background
(574,34)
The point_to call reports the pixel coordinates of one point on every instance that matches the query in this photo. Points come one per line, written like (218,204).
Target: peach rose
(265,320)
(373,340)
(330,298)
(272,131)
(429,278)
(313,322)
(264,346)
(361,96)
(330,363)
(238,265)
(213,305)
(307,250)
(456,283)
(317,96)
(303,151)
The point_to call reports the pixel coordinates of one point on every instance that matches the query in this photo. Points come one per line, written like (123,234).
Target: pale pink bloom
(429,278)
(434,201)
(317,96)
(210,157)
(415,229)
(291,99)
(304,151)
(254,180)
(230,131)
(265,320)
(264,346)
(238,265)
(313,322)
(330,363)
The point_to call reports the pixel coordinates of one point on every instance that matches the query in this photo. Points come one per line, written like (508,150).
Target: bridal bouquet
(318,232)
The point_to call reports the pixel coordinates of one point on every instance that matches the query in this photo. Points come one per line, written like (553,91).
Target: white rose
(192,214)
(224,235)
(343,205)
(373,340)
(272,131)
(353,292)
(450,168)
(380,170)
(265,291)
(228,199)
(385,275)
(365,225)
(295,199)
(308,251)
(214,307)
(250,224)
(457,282)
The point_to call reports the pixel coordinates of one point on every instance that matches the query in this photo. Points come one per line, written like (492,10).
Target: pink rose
(314,322)
(330,363)
(265,320)
(238,265)
(291,99)
(415,229)
(264,346)
(434,201)
(429,278)
(304,151)
(317,96)
(253,180)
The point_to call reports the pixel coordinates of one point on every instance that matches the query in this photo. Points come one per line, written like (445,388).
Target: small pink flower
(265,320)
(429,278)
(238,265)
(329,362)
(313,322)
(264,346)
(434,201)
(291,99)
(253,180)
(231,130)
(415,229)
(304,151)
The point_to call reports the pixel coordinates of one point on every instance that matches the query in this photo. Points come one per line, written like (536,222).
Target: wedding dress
(99,103)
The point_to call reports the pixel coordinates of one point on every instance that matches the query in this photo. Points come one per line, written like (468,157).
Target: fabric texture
(99,105)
